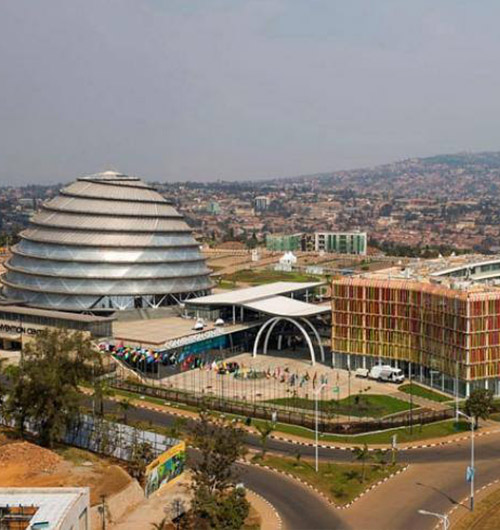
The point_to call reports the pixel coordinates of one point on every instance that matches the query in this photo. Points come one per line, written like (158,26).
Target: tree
(217,503)
(162,525)
(45,387)
(102,390)
(220,444)
(479,404)
(362,454)
(141,455)
(178,427)
(125,405)
(265,431)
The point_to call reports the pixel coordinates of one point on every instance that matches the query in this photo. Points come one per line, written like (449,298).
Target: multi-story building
(261,203)
(340,242)
(444,330)
(284,242)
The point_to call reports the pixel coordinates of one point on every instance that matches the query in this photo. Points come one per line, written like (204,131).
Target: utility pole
(316,451)
(411,401)
(470,471)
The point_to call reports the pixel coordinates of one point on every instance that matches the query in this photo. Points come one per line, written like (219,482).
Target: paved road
(299,508)
(435,481)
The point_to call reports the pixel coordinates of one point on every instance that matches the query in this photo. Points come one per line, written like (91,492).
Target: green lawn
(423,392)
(261,276)
(366,405)
(420,432)
(339,482)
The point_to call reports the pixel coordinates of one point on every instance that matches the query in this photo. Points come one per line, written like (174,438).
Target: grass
(420,432)
(367,405)
(421,391)
(262,276)
(339,482)
(77,456)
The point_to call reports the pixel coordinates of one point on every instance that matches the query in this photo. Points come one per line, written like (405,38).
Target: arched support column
(297,324)
(259,334)
(268,334)
(318,338)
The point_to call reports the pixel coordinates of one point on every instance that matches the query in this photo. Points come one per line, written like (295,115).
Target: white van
(387,373)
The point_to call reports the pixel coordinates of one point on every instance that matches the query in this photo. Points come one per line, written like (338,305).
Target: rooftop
(52,503)
(252,294)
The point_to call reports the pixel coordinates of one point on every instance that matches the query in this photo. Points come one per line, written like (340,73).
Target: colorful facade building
(447,333)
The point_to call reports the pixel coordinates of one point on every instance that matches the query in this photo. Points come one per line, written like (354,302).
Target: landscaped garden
(424,392)
(360,405)
(341,483)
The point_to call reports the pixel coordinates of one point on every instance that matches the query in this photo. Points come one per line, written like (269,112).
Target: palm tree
(162,525)
(125,405)
(362,454)
(264,431)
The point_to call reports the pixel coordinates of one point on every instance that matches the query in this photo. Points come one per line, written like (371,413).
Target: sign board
(165,468)
(336,389)
(394,440)
(469,475)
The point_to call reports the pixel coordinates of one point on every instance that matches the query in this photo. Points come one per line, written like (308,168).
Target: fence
(328,423)
(106,437)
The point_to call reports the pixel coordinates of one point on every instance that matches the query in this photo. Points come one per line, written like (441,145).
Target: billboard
(165,467)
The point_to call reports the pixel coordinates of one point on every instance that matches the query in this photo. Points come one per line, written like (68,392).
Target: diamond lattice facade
(107,242)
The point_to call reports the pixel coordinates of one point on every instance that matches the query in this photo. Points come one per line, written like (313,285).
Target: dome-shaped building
(107,242)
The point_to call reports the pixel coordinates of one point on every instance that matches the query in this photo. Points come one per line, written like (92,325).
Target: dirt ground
(23,464)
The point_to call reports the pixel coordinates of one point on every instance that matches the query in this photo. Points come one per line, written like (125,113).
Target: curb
(263,499)
(323,495)
(326,446)
(406,448)
(466,499)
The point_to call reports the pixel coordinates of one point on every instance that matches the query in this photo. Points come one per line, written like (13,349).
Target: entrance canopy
(282,302)
(242,297)
(282,306)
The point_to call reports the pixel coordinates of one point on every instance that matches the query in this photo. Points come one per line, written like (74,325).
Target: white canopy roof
(287,307)
(251,294)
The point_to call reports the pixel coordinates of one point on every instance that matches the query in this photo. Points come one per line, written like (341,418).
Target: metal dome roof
(108,241)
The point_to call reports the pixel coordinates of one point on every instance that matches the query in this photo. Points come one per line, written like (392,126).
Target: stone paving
(286,377)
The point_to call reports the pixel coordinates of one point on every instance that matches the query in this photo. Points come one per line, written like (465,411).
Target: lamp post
(442,517)
(316,451)
(472,472)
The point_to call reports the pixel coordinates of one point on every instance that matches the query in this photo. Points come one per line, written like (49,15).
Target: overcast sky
(242,89)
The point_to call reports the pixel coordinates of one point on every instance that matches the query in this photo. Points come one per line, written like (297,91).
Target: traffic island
(338,483)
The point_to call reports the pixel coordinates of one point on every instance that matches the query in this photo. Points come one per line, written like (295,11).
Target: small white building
(286,263)
(45,508)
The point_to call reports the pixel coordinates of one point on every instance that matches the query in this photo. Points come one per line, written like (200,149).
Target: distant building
(338,242)
(214,208)
(286,263)
(284,242)
(261,203)
(341,242)
(50,508)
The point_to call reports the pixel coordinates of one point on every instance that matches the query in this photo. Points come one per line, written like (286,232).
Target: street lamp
(443,518)
(472,472)
(316,394)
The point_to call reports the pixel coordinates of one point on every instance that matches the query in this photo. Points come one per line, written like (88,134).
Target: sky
(203,90)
